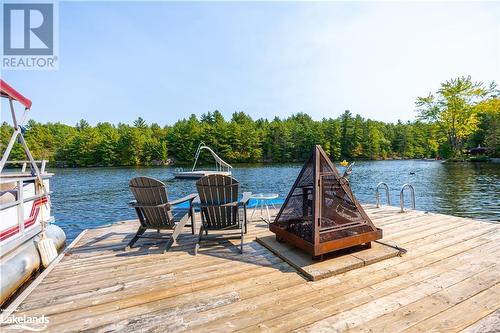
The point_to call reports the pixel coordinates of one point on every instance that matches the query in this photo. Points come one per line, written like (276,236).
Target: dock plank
(411,314)
(452,266)
(338,298)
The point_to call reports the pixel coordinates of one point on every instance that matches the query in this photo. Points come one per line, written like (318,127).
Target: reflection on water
(86,198)
(471,189)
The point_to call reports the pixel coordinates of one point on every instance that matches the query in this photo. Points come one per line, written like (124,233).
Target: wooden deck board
(448,280)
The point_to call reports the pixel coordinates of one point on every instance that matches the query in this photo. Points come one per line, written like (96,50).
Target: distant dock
(198,174)
(449,280)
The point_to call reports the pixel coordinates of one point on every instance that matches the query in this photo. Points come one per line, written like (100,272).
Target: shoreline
(188,165)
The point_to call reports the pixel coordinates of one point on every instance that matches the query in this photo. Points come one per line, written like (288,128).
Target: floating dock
(198,174)
(447,281)
(221,167)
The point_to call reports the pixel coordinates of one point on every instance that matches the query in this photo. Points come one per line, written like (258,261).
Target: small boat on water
(28,239)
(221,167)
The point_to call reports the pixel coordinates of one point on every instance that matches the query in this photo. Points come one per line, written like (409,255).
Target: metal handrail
(377,194)
(43,164)
(402,198)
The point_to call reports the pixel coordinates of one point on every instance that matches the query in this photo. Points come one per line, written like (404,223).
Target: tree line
(460,115)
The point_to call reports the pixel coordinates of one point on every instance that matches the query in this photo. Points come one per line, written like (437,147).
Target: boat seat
(8,186)
(8,196)
(8,191)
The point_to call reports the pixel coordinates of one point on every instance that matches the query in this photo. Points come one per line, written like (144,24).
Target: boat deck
(447,281)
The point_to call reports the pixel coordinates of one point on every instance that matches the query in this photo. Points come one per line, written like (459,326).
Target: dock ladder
(402,197)
(377,194)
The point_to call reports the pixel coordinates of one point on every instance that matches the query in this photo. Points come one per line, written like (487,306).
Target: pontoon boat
(26,229)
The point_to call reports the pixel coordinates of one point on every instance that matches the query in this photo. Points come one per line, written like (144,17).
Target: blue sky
(166,60)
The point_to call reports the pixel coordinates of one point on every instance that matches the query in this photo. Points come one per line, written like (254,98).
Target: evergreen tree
(462,114)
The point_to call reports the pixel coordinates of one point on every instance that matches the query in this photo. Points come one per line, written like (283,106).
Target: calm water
(90,197)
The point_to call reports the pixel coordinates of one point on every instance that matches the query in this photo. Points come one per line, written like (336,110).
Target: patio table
(264,199)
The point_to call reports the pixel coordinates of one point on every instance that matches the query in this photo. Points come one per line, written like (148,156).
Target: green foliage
(239,140)
(455,108)
(462,114)
(489,126)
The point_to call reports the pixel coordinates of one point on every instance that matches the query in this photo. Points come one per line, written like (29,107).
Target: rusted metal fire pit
(321,214)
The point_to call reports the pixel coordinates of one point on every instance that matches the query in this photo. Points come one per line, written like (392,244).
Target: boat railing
(20,199)
(26,163)
(17,189)
(377,194)
(402,198)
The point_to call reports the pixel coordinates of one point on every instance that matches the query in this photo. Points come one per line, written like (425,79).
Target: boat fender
(47,249)
(46,246)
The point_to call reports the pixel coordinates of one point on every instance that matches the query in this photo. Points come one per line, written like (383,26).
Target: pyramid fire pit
(321,214)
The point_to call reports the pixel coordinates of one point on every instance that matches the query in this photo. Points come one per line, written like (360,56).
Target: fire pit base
(333,263)
(326,247)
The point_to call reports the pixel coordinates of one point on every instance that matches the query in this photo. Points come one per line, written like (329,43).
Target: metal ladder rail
(377,194)
(401,197)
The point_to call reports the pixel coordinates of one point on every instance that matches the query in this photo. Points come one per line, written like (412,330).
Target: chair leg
(245,217)
(138,234)
(177,230)
(197,244)
(242,239)
(191,210)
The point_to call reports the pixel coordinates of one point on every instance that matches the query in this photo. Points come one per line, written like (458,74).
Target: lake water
(89,197)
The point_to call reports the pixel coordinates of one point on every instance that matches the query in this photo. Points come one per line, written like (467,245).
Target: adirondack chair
(155,211)
(220,207)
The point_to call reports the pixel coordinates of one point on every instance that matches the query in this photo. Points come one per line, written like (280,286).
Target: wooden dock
(447,281)
(198,174)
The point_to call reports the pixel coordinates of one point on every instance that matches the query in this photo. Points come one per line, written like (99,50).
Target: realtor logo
(29,36)
(29,29)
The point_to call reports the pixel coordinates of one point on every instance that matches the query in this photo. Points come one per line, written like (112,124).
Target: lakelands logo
(24,323)
(29,36)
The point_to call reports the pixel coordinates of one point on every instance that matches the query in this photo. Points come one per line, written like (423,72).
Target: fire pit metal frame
(356,232)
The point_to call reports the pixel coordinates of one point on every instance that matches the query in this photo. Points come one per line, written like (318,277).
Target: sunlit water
(89,197)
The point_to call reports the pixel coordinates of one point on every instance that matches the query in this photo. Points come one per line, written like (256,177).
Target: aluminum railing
(402,197)
(377,194)
(25,164)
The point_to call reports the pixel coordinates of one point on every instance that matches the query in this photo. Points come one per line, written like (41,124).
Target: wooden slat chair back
(155,211)
(148,191)
(219,201)
(220,207)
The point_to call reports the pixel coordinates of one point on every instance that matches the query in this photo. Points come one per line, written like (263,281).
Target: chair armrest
(189,197)
(245,199)
(134,204)
(229,204)
(196,202)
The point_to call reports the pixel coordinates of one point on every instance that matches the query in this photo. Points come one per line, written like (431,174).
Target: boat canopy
(11,93)
(7,91)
